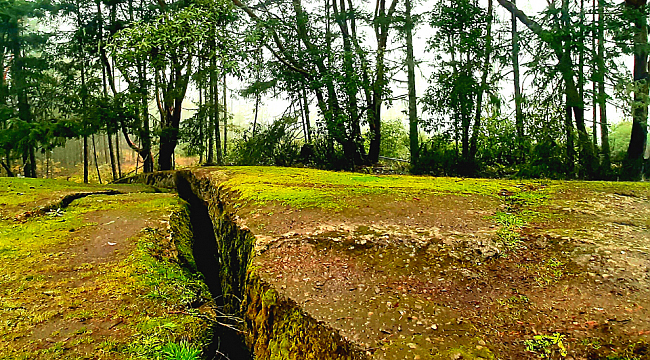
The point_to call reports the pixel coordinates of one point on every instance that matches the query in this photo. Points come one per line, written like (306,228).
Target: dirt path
(69,289)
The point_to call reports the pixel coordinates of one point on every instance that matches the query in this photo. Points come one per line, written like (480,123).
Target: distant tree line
(509,94)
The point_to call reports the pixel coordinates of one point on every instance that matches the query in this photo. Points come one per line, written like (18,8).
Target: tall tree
(519,116)
(484,82)
(575,104)
(337,66)
(633,165)
(602,96)
(464,32)
(414,144)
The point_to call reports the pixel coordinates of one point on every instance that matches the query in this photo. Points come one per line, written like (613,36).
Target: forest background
(468,87)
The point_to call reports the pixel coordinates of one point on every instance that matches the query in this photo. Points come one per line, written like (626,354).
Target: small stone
(481,342)
(412,345)
(434,327)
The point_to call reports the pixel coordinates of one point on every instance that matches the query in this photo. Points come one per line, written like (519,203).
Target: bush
(438,157)
(274,144)
(394,139)
(547,161)
(326,154)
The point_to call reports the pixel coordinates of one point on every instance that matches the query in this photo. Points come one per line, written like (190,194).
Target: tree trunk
(414,144)
(217,131)
(581,52)
(479,101)
(169,137)
(99,175)
(307,116)
(225,115)
(633,165)
(570,147)
(594,54)
(117,153)
(85,156)
(146,155)
(7,164)
(210,102)
(602,96)
(112,156)
(519,116)
(381,22)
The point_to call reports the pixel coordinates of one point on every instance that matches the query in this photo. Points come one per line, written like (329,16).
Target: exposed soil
(522,271)
(64,305)
(424,276)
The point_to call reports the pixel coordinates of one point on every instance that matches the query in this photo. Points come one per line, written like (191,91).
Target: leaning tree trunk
(99,175)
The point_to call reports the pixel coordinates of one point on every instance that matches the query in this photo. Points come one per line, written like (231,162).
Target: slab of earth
(444,268)
(98,279)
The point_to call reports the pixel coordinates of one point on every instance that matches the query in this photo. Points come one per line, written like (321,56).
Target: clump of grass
(180,351)
(549,272)
(547,346)
(510,227)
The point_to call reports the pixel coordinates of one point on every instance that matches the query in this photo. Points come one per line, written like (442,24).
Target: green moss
(19,195)
(270,297)
(304,188)
(150,289)
(279,330)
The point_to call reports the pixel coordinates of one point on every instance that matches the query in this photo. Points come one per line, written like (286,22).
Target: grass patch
(509,233)
(547,346)
(143,296)
(310,188)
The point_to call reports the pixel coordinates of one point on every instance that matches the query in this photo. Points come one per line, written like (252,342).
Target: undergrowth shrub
(547,160)
(275,144)
(437,157)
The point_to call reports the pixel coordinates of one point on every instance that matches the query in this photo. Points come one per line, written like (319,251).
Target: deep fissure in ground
(226,342)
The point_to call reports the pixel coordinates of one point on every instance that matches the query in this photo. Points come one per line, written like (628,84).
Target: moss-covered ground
(99,279)
(402,267)
(412,267)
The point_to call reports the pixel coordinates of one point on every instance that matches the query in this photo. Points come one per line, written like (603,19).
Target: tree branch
(291,64)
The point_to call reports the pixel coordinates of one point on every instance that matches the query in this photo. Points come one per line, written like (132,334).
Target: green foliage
(394,139)
(509,232)
(619,139)
(180,351)
(438,157)
(547,160)
(635,351)
(547,346)
(274,144)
